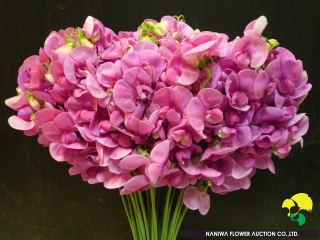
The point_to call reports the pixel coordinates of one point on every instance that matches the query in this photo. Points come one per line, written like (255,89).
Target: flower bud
(273,43)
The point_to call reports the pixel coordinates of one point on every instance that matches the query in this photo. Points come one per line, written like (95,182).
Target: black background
(38,200)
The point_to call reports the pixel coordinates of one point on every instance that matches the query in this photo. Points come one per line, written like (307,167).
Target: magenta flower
(205,109)
(179,72)
(290,78)
(61,130)
(31,74)
(250,50)
(196,199)
(256,27)
(163,106)
(244,87)
(93,29)
(158,157)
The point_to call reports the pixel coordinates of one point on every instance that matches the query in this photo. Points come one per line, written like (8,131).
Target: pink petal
(153,172)
(268,114)
(181,97)
(58,152)
(107,142)
(196,199)
(94,87)
(83,54)
(196,114)
(159,154)
(64,122)
(136,75)
(76,145)
(115,181)
(189,75)
(116,118)
(194,53)
(16,102)
(246,80)
(210,97)
(69,71)
(20,124)
(51,132)
(88,25)
(107,74)
(259,53)
(139,126)
(243,136)
(239,171)
(259,25)
(45,115)
(145,45)
(235,184)
(119,152)
(163,97)
(131,59)
(260,85)
(133,162)
(134,184)
(124,96)
(256,27)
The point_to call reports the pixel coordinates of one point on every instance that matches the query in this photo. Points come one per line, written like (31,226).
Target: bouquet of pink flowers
(165,113)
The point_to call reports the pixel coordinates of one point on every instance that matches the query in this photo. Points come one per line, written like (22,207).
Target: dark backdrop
(38,200)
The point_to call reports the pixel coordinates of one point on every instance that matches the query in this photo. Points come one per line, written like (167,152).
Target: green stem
(145,219)
(209,76)
(153,218)
(154,231)
(137,217)
(129,211)
(176,215)
(179,222)
(166,214)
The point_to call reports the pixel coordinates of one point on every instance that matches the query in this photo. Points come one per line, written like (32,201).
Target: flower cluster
(165,105)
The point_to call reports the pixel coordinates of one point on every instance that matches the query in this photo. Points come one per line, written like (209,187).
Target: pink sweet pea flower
(177,29)
(249,51)
(93,29)
(196,199)
(164,105)
(158,157)
(206,44)
(62,131)
(204,109)
(244,87)
(53,42)
(289,76)
(180,72)
(231,184)
(129,92)
(31,74)
(108,73)
(20,124)
(256,27)
(136,183)
(176,98)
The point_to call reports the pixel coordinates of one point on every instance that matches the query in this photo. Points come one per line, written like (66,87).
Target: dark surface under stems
(39,201)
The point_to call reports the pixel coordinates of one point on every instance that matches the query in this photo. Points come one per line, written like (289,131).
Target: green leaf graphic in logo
(298,217)
(297,203)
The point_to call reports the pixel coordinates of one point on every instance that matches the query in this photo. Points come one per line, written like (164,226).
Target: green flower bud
(273,43)
(180,18)
(143,152)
